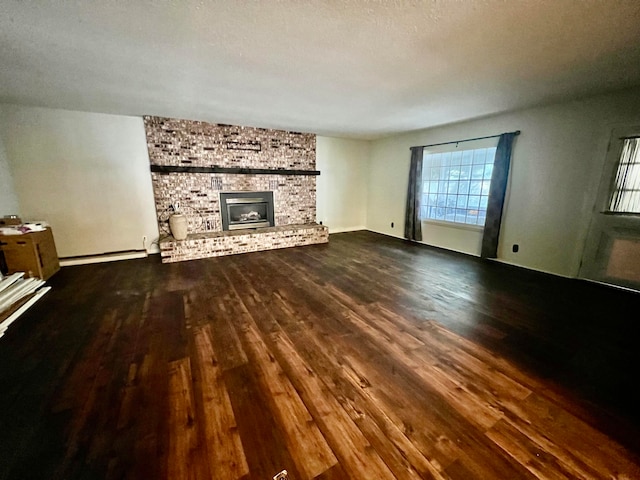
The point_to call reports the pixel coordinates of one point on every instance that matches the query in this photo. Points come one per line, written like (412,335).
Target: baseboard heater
(103,257)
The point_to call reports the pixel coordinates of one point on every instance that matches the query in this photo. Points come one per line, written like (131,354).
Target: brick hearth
(216,244)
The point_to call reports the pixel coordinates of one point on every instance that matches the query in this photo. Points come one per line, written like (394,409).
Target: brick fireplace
(195,164)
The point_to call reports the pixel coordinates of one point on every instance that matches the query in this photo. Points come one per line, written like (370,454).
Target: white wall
(556,167)
(8,198)
(87,174)
(342,184)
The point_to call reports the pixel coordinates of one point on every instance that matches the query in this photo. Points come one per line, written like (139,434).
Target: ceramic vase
(178,225)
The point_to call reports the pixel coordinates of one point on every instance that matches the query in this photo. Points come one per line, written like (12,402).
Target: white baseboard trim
(499,260)
(476,255)
(345,229)
(610,285)
(385,233)
(426,244)
(105,257)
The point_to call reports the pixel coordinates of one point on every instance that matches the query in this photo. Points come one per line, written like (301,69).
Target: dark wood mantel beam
(237,171)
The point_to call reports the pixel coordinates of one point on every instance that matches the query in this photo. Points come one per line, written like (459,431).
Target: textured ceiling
(345,68)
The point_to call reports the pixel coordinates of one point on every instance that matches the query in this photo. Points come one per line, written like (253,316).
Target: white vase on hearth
(179,225)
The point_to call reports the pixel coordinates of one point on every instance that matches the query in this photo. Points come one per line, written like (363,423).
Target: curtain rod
(517,132)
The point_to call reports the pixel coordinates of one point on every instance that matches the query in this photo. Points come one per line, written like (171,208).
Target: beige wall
(342,184)
(87,174)
(8,198)
(556,167)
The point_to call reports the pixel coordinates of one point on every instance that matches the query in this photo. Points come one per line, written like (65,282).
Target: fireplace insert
(246,210)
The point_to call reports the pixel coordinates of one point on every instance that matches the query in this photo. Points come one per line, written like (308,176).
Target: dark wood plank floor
(367,358)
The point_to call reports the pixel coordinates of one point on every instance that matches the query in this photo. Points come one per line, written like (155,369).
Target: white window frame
(624,179)
(427,207)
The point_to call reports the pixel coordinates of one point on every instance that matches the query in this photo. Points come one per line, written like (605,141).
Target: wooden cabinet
(33,253)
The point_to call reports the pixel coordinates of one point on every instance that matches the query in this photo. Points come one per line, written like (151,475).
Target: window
(455,185)
(625,197)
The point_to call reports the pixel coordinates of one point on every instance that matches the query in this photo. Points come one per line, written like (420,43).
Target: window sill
(621,214)
(461,226)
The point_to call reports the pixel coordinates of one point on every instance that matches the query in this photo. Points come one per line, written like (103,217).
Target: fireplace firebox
(242,210)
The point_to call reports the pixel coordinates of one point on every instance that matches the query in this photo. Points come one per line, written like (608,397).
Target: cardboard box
(33,253)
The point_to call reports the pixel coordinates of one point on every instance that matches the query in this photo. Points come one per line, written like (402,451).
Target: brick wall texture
(173,142)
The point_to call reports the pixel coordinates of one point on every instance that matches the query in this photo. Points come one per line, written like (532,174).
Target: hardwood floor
(367,358)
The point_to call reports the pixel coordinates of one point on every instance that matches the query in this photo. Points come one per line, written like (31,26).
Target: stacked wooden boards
(17,294)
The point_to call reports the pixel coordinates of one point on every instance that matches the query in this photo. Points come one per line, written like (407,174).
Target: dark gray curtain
(412,224)
(497,193)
